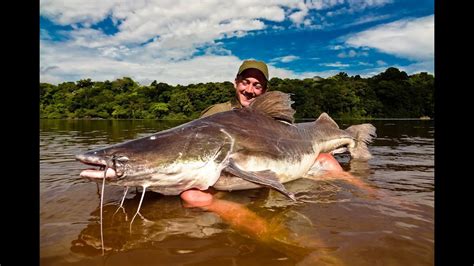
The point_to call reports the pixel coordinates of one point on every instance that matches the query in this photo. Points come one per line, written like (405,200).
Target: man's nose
(249,89)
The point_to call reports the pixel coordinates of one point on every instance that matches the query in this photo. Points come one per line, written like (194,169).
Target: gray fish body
(248,143)
(324,136)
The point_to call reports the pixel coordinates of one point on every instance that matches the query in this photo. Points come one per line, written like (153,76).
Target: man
(250,82)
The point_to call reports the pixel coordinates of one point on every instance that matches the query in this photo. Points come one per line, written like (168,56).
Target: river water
(335,222)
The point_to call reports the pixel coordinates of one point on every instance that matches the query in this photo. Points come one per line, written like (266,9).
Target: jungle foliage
(390,94)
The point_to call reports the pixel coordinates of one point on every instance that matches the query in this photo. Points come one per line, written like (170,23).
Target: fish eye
(122,159)
(119,161)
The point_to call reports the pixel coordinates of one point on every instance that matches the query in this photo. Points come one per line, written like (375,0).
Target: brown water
(334,223)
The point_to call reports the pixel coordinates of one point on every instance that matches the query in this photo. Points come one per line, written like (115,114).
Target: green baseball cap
(260,65)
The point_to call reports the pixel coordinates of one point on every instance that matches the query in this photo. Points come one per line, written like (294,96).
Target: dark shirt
(221,107)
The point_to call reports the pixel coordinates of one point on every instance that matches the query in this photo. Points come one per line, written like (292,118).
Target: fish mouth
(99,171)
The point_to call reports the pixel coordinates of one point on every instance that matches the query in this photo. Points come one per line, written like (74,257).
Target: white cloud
(366,19)
(59,63)
(336,64)
(161,29)
(407,38)
(285,59)
(364,64)
(74,11)
(159,39)
(425,66)
(323,74)
(153,38)
(167,22)
(142,20)
(344,54)
(351,53)
(353,6)
(360,4)
(300,14)
(284,73)
(336,47)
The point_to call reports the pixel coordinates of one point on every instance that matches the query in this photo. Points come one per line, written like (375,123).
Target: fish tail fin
(363,135)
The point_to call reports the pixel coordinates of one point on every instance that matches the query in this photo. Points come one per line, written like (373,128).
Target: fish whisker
(121,204)
(106,167)
(138,210)
(101,213)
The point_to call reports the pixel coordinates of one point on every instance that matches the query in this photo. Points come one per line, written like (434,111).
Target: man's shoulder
(216,108)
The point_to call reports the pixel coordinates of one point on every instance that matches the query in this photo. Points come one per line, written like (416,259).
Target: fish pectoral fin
(266,178)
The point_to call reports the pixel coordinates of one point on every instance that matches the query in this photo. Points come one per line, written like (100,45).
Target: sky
(185,42)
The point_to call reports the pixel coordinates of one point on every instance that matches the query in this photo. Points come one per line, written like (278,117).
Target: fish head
(167,162)
(123,162)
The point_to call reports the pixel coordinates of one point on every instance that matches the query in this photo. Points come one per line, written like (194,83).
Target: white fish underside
(182,176)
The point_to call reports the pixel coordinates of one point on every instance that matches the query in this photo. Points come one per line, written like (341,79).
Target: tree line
(390,94)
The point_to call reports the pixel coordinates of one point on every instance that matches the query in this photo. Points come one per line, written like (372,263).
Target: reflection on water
(334,222)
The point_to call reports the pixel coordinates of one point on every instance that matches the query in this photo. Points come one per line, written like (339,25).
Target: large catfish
(258,145)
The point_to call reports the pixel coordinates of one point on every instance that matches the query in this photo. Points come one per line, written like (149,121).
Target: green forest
(390,94)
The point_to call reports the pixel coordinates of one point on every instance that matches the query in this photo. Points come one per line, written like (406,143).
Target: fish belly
(286,171)
(183,176)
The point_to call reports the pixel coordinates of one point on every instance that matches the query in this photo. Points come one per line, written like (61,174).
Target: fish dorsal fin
(325,119)
(276,104)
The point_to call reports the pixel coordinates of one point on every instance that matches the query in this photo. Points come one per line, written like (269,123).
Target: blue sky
(183,42)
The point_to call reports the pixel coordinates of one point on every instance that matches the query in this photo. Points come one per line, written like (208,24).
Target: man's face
(249,86)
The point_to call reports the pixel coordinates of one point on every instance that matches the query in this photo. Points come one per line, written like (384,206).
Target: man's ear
(235,83)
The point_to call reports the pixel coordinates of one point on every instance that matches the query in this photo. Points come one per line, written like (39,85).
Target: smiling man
(251,81)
